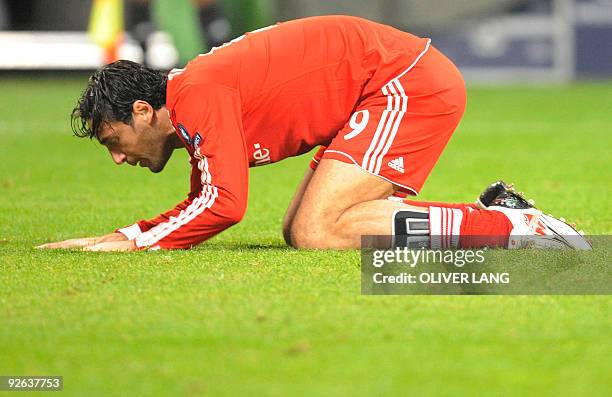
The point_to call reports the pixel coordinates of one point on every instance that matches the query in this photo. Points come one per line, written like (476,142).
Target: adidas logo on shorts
(397,164)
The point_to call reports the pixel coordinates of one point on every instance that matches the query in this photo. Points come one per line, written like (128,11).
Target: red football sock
(437,204)
(451,227)
(484,228)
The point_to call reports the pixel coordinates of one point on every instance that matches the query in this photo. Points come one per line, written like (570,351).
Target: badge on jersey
(197,139)
(184,133)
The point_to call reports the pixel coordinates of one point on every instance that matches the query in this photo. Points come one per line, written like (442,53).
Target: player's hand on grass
(84,242)
(127,245)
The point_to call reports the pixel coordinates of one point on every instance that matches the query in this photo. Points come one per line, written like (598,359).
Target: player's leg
(341,203)
(294,204)
(299,193)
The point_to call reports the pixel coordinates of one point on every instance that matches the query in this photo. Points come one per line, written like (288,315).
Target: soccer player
(381,103)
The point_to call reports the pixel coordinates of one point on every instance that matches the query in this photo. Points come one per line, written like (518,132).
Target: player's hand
(72,243)
(83,242)
(112,237)
(112,246)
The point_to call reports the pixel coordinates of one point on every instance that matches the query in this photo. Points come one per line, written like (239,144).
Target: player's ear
(143,110)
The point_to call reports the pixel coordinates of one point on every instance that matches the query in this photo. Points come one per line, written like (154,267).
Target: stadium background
(500,40)
(243,314)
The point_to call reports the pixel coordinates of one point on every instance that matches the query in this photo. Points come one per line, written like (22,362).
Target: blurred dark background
(491,40)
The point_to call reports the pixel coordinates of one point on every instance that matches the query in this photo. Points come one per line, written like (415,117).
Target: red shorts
(399,131)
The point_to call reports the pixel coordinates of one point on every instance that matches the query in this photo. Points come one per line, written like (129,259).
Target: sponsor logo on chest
(261,155)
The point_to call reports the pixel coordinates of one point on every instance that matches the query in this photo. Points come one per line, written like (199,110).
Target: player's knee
(307,235)
(287,229)
(305,240)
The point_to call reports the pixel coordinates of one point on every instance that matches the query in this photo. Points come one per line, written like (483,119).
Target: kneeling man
(382,104)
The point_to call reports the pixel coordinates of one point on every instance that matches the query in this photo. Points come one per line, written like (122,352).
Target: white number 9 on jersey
(358,126)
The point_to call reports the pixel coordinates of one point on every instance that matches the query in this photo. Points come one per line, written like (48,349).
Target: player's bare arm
(85,242)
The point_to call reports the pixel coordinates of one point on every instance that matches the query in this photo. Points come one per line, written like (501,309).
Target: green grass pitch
(243,315)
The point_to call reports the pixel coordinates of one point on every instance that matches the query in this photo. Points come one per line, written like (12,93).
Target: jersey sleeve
(211,116)
(133,231)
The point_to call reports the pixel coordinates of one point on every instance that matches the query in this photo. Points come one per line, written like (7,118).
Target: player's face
(145,142)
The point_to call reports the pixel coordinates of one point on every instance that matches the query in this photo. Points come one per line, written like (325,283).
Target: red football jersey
(270,94)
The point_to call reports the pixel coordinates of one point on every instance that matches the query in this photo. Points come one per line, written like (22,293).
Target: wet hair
(111,92)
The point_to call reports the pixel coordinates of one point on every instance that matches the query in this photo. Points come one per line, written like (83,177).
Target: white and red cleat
(533,229)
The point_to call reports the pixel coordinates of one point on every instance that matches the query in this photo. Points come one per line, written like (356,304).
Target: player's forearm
(85,242)
(207,216)
(115,236)
(187,241)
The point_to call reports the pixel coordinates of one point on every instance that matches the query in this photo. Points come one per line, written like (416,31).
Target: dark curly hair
(111,92)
